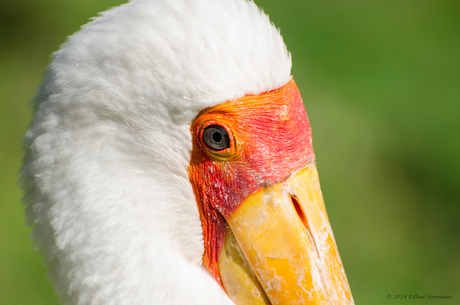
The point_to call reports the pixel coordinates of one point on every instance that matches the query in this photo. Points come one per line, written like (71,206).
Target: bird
(170,161)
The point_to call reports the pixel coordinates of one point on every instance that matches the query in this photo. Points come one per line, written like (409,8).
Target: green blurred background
(381,84)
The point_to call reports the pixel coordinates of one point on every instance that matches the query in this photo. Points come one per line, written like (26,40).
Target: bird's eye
(216,137)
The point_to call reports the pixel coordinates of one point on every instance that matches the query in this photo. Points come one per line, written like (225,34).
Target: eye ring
(228,146)
(216,137)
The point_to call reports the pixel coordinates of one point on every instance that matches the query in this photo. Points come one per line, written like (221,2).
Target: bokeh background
(381,84)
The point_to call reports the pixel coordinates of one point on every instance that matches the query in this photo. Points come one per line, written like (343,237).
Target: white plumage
(105,172)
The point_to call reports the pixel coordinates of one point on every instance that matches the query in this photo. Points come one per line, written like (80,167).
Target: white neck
(105,173)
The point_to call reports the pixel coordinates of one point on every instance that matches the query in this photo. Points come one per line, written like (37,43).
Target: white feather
(105,173)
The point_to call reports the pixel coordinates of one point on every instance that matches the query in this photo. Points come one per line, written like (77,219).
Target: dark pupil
(216,137)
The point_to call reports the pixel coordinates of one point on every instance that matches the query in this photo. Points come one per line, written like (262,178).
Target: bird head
(170,135)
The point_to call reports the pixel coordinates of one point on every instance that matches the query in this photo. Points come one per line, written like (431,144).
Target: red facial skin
(270,138)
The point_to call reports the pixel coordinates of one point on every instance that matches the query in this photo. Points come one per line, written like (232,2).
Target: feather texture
(105,172)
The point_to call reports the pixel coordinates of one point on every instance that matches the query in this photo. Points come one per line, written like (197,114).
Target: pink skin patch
(270,138)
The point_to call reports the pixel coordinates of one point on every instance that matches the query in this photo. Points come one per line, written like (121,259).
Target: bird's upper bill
(266,232)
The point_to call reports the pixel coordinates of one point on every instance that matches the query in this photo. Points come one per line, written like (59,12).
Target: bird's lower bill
(280,248)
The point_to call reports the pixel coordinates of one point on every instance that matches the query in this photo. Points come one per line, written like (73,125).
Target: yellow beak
(280,248)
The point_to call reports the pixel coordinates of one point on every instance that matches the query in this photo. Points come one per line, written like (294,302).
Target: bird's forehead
(163,56)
